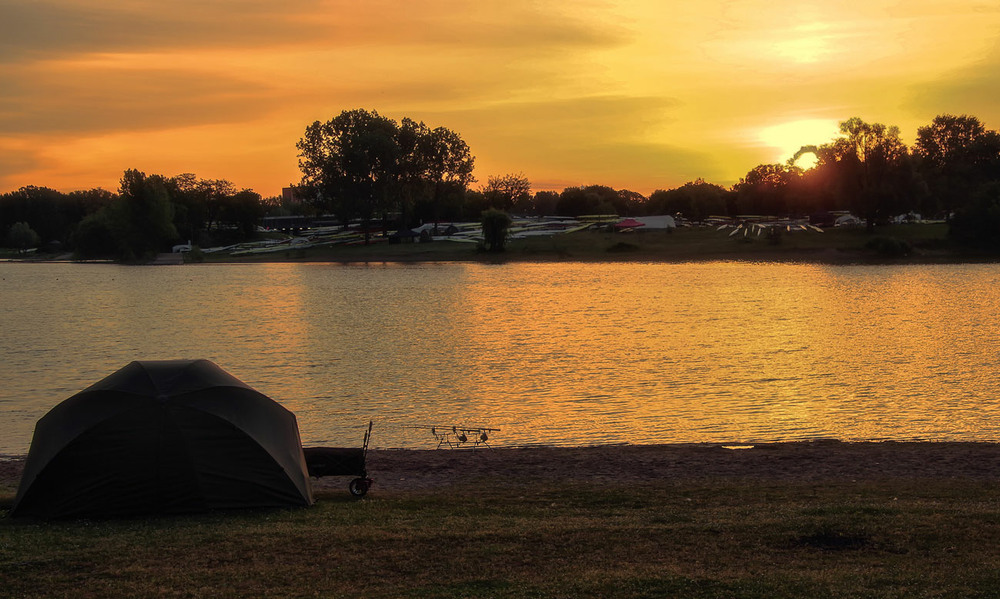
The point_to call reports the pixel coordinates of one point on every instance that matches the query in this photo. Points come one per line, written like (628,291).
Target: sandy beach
(630,465)
(404,471)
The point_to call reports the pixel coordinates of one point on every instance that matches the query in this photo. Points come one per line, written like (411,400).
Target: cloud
(17,158)
(104,100)
(38,29)
(41,29)
(970,90)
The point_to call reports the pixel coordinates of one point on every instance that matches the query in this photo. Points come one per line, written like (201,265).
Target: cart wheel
(359,487)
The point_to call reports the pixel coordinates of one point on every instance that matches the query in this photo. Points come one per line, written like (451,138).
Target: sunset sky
(641,94)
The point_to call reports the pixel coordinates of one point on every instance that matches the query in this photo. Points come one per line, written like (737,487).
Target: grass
(929,243)
(733,539)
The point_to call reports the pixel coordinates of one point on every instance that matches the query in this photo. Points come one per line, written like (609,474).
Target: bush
(890,247)
(978,225)
(622,246)
(22,237)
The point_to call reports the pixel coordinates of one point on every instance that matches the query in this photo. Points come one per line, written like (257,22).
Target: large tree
(957,156)
(350,164)
(435,171)
(871,168)
(695,200)
(142,219)
(22,237)
(767,189)
(495,225)
(360,164)
(508,192)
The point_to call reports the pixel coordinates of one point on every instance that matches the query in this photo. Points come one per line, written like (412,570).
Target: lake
(549,353)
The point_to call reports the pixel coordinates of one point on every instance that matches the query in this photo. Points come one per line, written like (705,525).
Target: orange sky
(643,94)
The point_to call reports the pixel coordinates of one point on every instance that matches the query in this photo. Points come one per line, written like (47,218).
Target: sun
(788,137)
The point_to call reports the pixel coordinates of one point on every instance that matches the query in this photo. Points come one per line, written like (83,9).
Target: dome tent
(163,437)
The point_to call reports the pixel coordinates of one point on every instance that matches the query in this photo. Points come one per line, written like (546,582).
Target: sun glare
(787,138)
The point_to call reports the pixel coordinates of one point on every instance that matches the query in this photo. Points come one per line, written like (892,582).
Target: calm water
(566,354)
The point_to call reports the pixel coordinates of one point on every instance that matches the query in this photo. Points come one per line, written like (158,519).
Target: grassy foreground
(723,538)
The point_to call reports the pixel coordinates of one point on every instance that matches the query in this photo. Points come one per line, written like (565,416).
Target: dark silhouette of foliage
(977,225)
(360,165)
(510,192)
(495,225)
(544,203)
(957,155)
(22,237)
(142,218)
(767,189)
(592,199)
(695,201)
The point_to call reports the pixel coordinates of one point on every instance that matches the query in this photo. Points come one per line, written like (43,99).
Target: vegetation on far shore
(370,173)
(895,244)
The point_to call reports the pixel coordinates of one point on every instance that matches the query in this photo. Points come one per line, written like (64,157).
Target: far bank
(902,244)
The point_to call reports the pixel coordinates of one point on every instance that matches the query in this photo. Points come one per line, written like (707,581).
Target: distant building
(290,195)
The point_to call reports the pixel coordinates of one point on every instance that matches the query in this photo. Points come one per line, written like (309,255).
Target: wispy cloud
(641,95)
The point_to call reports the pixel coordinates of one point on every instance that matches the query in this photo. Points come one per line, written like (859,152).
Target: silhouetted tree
(142,218)
(870,168)
(495,226)
(350,164)
(695,201)
(361,164)
(508,192)
(629,203)
(977,224)
(47,211)
(957,156)
(592,199)
(22,237)
(767,189)
(544,203)
(243,211)
(435,171)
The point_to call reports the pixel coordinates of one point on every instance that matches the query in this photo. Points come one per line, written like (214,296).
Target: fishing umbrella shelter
(163,437)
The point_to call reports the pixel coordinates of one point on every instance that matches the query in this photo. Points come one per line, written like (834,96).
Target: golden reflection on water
(550,353)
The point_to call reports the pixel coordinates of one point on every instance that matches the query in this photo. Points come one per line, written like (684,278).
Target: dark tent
(163,437)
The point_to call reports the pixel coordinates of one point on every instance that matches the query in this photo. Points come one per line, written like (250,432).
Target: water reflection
(549,353)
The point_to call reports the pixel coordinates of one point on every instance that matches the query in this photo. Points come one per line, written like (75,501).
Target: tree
(435,170)
(629,203)
(870,168)
(142,219)
(507,192)
(94,236)
(695,200)
(22,237)
(544,203)
(47,211)
(592,199)
(977,224)
(350,164)
(495,225)
(360,164)
(766,189)
(243,210)
(957,156)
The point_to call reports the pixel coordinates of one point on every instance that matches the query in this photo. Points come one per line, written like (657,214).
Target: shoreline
(786,463)
(909,244)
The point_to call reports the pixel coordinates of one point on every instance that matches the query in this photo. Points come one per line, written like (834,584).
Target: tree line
(362,167)
(146,216)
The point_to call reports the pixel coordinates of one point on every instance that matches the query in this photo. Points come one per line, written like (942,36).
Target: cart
(341,461)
